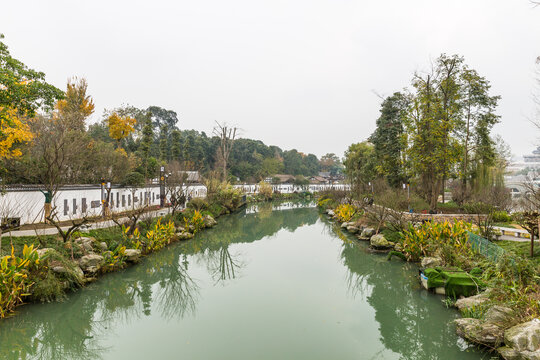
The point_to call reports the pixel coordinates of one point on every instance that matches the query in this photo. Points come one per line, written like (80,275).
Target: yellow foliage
(345,212)
(76,100)
(120,126)
(13,131)
(122,152)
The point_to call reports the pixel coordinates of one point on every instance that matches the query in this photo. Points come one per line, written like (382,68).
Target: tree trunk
(532,244)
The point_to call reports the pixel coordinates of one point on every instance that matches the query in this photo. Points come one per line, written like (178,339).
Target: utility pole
(162,186)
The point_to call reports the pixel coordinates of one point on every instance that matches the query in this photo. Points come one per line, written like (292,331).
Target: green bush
(449,239)
(198,204)
(133,179)
(501,217)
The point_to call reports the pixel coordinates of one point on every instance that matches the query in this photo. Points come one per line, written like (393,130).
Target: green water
(271,284)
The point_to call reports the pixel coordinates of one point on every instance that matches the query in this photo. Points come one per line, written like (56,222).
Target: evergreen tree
(389,143)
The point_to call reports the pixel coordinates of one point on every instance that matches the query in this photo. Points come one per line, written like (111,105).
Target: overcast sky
(299,74)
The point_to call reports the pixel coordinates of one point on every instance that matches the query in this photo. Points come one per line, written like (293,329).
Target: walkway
(90,226)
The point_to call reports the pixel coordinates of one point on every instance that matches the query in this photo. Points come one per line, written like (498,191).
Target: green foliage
(430,237)
(324,203)
(14,281)
(22,88)
(501,217)
(224,194)
(198,204)
(475,312)
(360,166)
(265,190)
(115,259)
(388,140)
(133,179)
(195,223)
(158,237)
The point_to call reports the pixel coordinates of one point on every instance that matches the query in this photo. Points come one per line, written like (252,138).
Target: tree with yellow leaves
(120,126)
(23,92)
(13,131)
(76,106)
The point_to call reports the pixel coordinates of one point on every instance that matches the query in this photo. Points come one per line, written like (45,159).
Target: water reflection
(76,328)
(407,315)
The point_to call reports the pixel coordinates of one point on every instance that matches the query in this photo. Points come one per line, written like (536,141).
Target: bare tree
(226,135)
(177,186)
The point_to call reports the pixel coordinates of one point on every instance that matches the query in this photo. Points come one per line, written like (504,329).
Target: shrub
(345,212)
(195,223)
(198,204)
(158,237)
(114,259)
(324,203)
(265,190)
(501,217)
(429,237)
(14,283)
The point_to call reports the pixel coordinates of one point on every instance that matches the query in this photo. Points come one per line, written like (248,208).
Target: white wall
(69,202)
(76,203)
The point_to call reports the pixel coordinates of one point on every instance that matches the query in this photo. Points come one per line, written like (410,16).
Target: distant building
(319,180)
(191,176)
(280,179)
(534,157)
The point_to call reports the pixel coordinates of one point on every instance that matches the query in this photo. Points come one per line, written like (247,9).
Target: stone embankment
(497,328)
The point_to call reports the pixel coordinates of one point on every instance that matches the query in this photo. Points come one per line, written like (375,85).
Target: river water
(270,282)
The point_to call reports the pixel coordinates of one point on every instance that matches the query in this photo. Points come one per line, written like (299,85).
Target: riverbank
(502,317)
(43,268)
(271,273)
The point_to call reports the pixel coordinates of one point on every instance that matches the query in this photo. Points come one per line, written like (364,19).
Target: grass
(18,243)
(507,225)
(391,235)
(521,249)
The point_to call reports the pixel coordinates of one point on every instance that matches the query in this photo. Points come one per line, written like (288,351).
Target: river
(270,282)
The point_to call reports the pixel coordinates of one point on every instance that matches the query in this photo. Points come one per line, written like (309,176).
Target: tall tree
(164,142)
(388,139)
(478,119)
(227,136)
(360,166)
(77,105)
(23,92)
(120,126)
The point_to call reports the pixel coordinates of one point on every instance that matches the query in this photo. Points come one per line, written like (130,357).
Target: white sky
(294,73)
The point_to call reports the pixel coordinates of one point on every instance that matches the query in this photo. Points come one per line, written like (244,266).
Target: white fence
(77,201)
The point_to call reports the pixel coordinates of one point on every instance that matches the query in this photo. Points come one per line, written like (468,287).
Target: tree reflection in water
(407,315)
(76,328)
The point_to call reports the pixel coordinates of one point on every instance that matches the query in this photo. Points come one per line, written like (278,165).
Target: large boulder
(472,301)
(431,262)
(184,235)
(42,252)
(508,353)
(86,243)
(352,229)
(367,233)
(479,332)
(500,315)
(91,263)
(209,221)
(525,339)
(132,255)
(379,242)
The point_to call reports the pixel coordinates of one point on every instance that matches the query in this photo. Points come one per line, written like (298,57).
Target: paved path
(512,234)
(90,226)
